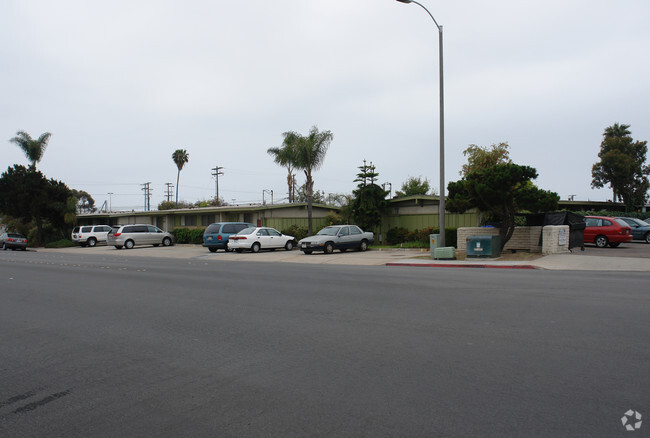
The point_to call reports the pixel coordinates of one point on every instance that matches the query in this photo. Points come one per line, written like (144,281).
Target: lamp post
(442,126)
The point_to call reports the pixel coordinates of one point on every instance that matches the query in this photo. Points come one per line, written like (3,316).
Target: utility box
(483,246)
(445,253)
(434,242)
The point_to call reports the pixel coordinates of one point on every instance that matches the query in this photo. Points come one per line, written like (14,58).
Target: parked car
(13,241)
(640,229)
(216,235)
(90,235)
(603,231)
(341,237)
(128,236)
(255,239)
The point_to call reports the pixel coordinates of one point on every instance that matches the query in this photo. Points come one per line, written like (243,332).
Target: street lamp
(442,127)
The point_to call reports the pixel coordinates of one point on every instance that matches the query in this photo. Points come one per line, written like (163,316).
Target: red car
(603,231)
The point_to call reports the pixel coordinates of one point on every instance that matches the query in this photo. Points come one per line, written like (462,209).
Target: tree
(180,157)
(369,201)
(26,194)
(500,189)
(284,156)
(414,186)
(622,166)
(308,156)
(34,149)
(85,202)
(479,157)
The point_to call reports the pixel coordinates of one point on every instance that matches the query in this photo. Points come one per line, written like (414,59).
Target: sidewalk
(554,262)
(578,260)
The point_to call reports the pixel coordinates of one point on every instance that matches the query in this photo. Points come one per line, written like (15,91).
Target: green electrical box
(434,242)
(483,246)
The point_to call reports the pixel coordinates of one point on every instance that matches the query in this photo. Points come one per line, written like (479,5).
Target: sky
(121,85)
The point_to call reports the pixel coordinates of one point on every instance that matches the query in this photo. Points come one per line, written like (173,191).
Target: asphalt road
(108,346)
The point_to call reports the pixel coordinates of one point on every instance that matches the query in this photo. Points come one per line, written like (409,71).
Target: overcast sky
(122,84)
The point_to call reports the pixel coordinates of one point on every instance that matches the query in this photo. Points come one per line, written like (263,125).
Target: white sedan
(258,238)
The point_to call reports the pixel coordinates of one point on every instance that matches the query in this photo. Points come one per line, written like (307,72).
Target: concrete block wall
(556,239)
(523,238)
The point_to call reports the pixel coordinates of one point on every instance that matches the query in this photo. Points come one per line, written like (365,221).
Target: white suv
(90,235)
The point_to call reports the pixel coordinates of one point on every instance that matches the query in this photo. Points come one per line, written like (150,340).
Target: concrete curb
(463,265)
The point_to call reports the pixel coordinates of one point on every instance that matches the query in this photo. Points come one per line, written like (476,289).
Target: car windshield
(246,231)
(18,236)
(622,223)
(328,231)
(639,222)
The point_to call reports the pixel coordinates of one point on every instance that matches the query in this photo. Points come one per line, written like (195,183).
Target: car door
(154,235)
(591,228)
(263,238)
(344,240)
(275,238)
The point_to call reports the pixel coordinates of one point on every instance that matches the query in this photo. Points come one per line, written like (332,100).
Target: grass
(63,243)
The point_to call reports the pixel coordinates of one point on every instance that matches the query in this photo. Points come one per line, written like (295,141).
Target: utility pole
(264,192)
(390,191)
(110,201)
(169,191)
(147,195)
(216,171)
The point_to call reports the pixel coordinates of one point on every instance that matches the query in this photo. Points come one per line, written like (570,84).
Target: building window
(190,220)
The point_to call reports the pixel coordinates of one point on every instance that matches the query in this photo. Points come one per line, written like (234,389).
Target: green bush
(63,243)
(400,235)
(188,235)
(396,235)
(295,231)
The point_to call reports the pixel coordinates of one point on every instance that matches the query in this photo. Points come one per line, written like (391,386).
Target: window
(607,223)
(152,229)
(355,230)
(273,232)
(230,229)
(129,229)
(262,232)
(140,229)
(190,220)
(213,228)
(86,229)
(593,222)
(345,231)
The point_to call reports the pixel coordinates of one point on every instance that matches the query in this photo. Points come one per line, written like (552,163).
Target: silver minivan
(128,236)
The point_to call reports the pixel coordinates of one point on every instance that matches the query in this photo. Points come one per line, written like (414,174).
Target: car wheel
(255,247)
(363,246)
(307,251)
(647,237)
(212,249)
(167,241)
(614,244)
(601,241)
(91,242)
(118,246)
(289,246)
(129,244)
(329,248)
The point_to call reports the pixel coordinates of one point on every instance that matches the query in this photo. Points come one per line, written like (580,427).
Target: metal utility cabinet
(483,246)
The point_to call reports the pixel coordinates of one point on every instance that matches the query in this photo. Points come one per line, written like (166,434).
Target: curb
(459,265)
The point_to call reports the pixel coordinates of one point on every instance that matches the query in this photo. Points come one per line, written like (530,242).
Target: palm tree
(34,149)
(309,155)
(284,156)
(617,130)
(180,157)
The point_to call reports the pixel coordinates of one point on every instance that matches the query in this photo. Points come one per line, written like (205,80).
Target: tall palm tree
(309,155)
(180,157)
(284,156)
(34,149)
(617,130)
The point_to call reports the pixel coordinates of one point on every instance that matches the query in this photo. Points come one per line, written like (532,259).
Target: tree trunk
(177,178)
(309,186)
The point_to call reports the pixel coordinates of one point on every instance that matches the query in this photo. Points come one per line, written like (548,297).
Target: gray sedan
(640,229)
(341,237)
(13,241)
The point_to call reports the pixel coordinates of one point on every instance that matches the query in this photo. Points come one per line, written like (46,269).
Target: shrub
(396,235)
(420,237)
(188,235)
(63,243)
(295,231)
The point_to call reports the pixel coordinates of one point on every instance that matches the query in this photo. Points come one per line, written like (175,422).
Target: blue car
(216,235)
(640,229)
